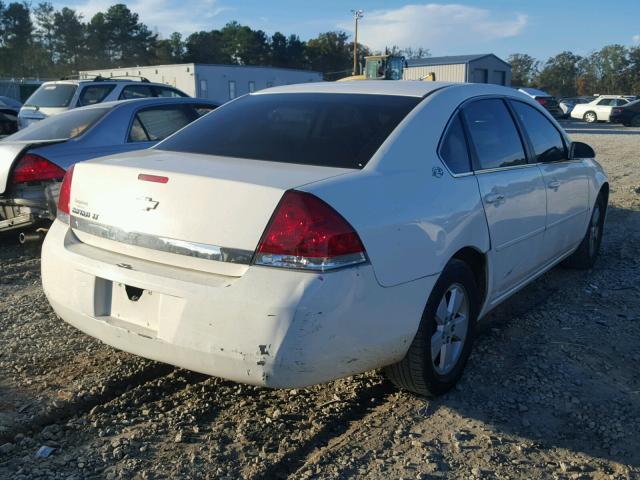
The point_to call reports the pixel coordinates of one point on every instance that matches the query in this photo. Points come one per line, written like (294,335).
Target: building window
(203,89)
(232,89)
(252,86)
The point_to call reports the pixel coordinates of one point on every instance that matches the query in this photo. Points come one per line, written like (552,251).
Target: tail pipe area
(29,237)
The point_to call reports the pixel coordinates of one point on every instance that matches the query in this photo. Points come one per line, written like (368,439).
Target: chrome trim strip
(163,244)
(503,169)
(321,264)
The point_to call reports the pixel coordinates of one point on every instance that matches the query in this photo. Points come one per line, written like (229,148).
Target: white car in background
(310,232)
(599,109)
(59,96)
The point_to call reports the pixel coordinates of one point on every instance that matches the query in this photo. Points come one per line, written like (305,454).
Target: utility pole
(357,15)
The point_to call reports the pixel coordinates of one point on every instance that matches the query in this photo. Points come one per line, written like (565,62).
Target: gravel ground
(552,389)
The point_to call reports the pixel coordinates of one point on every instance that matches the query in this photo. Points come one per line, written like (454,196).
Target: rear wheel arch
(604,193)
(477,261)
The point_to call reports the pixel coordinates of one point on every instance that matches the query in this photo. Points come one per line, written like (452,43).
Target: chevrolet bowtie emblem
(147,203)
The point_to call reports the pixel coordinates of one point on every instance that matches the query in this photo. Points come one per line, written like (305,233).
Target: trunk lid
(209,215)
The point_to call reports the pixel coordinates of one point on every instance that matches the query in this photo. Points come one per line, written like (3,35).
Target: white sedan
(310,232)
(599,109)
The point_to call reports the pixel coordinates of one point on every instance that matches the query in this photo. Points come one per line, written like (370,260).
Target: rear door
(512,191)
(566,181)
(603,108)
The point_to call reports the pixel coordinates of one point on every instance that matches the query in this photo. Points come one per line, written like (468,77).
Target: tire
(635,121)
(587,252)
(419,371)
(590,117)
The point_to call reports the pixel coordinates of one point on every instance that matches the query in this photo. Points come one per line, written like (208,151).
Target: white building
(216,82)
(484,68)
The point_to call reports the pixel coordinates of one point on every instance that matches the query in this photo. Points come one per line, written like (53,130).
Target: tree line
(614,69)
(44,42)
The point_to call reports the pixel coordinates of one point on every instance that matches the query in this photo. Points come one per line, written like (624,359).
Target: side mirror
(579,150)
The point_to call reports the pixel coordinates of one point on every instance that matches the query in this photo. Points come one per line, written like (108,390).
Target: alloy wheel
(594,230)
(452,324)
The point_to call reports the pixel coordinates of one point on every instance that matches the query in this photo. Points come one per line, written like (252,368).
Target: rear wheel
(585,256)
(437,356)
(590,117)
(635,120)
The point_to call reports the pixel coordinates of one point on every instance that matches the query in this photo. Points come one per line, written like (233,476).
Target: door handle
(554,185)
(493,197)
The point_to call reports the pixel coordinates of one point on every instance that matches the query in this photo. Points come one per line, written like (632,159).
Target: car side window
(94,94)
(136,91)
(493,134)
(137,132)
(605,102)
(547,141)
(203,109)
(168,92)
(453,148)
(159,122)
(620,102)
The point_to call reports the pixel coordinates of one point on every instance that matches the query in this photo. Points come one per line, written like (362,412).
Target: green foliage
(523,69)
(44,42)
(61,42)
(614,69)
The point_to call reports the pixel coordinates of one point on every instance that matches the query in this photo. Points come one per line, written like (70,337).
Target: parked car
(9,109)
(34,160)
(310,232)
(599,109)
(549,102)
(56,97)
(628,115)
(566,104)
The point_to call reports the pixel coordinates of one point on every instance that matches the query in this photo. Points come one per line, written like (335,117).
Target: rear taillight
(34,168)
(64,200)
(541,101)
(306,233)
(616,110)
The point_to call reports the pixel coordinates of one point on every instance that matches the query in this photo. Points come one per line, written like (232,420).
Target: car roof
(407,88)
(118,80)
(149,101)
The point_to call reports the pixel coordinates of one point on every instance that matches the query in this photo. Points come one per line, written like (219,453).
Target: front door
(512,192)
(566,182)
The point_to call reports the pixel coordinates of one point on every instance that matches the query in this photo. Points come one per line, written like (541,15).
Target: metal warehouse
(484,68)
(216,82)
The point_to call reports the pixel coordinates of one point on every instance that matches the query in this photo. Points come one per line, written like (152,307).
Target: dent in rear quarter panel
(346,323)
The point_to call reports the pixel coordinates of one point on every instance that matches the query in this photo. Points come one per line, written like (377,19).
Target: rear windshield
(69,124)
(333,130)
(52,95)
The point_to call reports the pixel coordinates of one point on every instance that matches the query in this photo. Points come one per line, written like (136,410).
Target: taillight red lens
(64,200)
(306,233)
(541,101)
(34,168)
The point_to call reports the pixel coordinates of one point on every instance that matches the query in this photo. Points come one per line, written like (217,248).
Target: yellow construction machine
(380,67)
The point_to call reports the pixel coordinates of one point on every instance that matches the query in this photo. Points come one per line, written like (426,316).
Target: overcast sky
(540,28)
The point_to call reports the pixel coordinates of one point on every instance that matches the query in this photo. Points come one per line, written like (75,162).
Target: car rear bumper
(271,327)
(28,206)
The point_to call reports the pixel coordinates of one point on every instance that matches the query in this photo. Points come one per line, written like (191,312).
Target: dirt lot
(552,389)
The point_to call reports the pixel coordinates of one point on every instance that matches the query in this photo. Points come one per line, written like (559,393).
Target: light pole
(357,15)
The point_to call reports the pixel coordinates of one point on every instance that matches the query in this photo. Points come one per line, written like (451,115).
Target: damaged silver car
(34,160)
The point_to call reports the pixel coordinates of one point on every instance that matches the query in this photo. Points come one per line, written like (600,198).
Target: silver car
(33,161)
(52,98)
